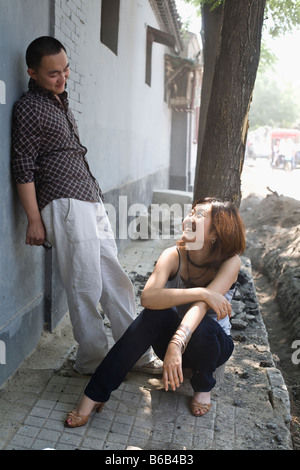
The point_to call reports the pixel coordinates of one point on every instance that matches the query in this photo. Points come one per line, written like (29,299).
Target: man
(63,204)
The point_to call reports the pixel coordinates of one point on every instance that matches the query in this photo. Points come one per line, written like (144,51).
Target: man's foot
(68,369)
(154,367)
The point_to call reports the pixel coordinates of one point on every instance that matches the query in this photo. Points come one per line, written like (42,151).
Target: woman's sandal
(199,409)
(75,420)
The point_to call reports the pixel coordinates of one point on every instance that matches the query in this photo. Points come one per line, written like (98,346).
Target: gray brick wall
(70,21)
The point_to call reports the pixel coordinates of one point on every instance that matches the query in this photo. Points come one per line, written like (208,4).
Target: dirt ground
(272,220)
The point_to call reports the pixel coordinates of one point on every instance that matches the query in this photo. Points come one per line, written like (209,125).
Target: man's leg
(71,228)
(117,299)
(87,258)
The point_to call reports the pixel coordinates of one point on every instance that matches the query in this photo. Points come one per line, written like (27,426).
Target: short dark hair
(40,47)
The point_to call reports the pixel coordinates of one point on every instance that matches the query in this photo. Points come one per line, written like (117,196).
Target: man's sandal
(199,409)
(75,420)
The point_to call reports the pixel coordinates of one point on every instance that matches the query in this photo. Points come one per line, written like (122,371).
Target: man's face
(53,73)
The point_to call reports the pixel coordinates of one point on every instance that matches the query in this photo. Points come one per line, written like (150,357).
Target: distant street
(258,175)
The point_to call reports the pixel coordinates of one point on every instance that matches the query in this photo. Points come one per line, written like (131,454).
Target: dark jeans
(209,348)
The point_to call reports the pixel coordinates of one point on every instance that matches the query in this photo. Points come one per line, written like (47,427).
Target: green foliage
(272,105)
(282,16)
(267,58)
(199,3)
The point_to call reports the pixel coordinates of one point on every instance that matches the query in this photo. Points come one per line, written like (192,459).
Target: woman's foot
(200,403)
(80,416)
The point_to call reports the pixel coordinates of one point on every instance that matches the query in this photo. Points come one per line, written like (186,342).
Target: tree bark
(211,40)
(225,117)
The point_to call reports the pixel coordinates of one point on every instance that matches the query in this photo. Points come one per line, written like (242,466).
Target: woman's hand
(172,368)
(218,303)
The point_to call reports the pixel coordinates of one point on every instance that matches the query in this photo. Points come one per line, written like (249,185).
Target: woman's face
(197,226)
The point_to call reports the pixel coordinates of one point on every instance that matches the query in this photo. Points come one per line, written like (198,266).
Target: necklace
(196,266)
(191,261)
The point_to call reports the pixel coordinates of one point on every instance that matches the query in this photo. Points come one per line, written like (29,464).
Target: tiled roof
(169,18)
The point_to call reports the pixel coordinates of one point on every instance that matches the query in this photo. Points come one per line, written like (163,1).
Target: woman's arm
(155,296)
(226,276)
(172,366)
(220,285)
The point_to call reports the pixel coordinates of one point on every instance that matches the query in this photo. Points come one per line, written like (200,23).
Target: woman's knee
(206,327)
(162,317)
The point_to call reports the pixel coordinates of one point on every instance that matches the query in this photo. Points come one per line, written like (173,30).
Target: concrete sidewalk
(251,408)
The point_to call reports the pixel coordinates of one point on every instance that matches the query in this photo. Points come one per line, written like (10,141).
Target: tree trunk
(225,117)
(211,39)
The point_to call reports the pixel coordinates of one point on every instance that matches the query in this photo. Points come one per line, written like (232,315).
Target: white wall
(22,277)
(125,123)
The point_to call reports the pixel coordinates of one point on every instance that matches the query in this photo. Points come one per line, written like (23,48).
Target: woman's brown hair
(229,228)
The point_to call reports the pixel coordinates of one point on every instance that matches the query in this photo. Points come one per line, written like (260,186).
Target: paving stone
(141,415)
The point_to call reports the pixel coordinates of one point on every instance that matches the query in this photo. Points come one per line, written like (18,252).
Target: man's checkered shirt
(46,149)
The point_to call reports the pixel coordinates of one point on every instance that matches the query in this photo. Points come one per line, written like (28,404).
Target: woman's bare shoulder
(231,264)
(169,258)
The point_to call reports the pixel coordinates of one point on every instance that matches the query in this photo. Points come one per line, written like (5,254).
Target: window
(155,35)
(109,34)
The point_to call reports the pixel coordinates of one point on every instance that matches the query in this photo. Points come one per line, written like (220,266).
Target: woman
(186,314)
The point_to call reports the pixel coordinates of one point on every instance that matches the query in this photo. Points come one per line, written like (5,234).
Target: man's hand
(35,234)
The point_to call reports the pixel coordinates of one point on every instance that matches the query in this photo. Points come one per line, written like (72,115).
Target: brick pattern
(70,20)
(136,416)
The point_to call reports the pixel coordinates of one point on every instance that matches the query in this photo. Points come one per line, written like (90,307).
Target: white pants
(90,271)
